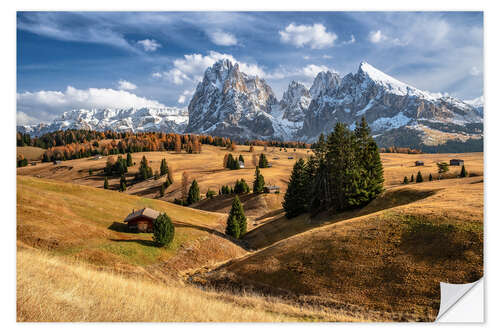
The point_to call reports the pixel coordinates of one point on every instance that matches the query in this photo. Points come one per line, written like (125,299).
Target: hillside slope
(388,263)
(86,223)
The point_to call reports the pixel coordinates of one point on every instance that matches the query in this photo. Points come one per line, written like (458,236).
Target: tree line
(345,172)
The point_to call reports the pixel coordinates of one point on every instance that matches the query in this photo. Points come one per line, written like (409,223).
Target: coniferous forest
(345,173)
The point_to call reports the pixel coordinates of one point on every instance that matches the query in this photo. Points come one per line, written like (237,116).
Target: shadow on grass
(144,242)
(120,227)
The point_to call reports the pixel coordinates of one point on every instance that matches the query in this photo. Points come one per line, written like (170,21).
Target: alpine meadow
(247,166)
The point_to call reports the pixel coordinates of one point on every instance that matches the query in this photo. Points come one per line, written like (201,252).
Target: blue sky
(68,60)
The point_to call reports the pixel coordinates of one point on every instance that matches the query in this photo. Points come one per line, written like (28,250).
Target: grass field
(387,260)
(383,262)
(30,153)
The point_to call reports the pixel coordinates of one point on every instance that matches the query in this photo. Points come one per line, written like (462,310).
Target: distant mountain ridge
(228,102)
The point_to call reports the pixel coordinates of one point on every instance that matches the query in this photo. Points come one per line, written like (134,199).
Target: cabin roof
(145,212)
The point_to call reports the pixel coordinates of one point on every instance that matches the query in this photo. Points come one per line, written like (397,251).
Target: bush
(163,230)
(419,177)
(210,194)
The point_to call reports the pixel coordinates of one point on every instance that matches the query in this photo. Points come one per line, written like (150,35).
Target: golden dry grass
(389,261)
(30,153)
(52,289)
(85,222)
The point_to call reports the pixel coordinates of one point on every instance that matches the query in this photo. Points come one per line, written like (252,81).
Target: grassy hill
(86,223)
(389,262)
(30,153)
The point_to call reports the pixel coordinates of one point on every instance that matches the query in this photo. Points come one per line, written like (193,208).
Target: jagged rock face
(385,102)
(120,120)
(230,103)
(295,102)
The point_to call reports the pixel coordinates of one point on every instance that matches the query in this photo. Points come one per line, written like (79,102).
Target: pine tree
(162,190)
(123,184)
(241,159)
(258,183)
(129,159)
(419,177)
(163,167)
(463,172)
(263,163)
(163,230)
(106,185)
(430,177)
(145,171)
(238,215)
(412,179)
(405,181)
(233,227)
(296,196)
(194,193)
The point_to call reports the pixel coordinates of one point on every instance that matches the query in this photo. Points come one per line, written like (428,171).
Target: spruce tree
(412,179)
(463,172)
(239,215)
(194,193)
(233,227)
(405,181)
(163,230)
(163,167)
(419,177)
(129,159)
(123,183)
(430,177)
(240,158)
(296,196)
(162,190)
(258,183)
(263,163)
(106,184)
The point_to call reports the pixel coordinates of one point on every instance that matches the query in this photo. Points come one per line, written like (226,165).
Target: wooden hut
(271,189)
(456,161)
(419,163)
(141,220)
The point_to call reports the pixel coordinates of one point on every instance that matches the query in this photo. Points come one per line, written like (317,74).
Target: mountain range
(228,102)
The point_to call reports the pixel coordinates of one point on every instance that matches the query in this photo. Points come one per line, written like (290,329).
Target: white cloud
(156,74)
(350,41)
(184,96)
(377,37)
(191,67)
(24,119)
(315,36)
(326,56)
(45,104)
(222,38)
(474,71)
(149,45)
(312,70)
(126,85)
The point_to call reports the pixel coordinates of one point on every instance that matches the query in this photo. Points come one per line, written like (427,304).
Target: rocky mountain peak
(325,83)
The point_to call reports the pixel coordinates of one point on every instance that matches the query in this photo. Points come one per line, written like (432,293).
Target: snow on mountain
(387,104)
(230,103)
(477,103)
(122,120)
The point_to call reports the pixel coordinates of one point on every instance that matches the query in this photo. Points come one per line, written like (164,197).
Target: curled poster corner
(453,295)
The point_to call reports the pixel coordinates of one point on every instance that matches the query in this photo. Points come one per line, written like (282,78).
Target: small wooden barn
(419,163)
(456,161)
(271,189)
(141,220)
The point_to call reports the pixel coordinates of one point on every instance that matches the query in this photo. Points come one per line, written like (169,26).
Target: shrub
(419,177)
(163,230)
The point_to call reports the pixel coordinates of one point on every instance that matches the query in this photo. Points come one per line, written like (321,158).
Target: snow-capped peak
(477,102)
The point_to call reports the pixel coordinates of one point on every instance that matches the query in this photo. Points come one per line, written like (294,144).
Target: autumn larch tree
(184,186)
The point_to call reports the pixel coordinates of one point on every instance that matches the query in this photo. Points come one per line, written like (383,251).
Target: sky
(73,60)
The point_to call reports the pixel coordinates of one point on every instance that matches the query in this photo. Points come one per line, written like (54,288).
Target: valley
(342,267)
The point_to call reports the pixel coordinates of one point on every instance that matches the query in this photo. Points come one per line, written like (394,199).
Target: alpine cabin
(141,220)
